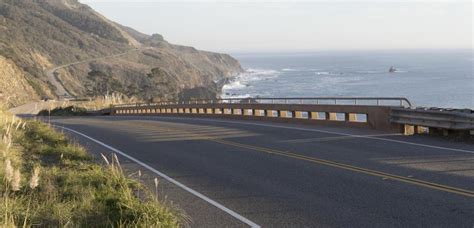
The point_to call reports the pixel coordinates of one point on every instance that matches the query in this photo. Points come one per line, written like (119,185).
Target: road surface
(282,175)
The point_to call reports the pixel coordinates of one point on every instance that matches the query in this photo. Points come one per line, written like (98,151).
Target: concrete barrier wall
(375,117)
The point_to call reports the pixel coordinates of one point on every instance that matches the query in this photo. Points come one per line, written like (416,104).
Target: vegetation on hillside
(38,35)
(64,111)
(47,181)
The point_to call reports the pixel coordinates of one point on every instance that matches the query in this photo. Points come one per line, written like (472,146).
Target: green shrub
(67,111)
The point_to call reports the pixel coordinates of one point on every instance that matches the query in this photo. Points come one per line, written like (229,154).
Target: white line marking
(323,131)
(203,197)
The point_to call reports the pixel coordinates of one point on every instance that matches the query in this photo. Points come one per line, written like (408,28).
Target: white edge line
(329,132)
(203,197)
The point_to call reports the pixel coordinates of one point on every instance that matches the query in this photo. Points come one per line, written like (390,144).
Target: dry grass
(105,101)
(80,107)
(46,181)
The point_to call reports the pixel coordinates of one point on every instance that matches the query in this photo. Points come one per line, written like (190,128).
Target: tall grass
(101,102)
(47,181)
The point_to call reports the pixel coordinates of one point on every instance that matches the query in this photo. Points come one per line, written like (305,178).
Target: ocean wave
(322,73)
(289,70)
(234,85)
(400,71)
(328,73)
(233,95)
(244,79)
(250,72)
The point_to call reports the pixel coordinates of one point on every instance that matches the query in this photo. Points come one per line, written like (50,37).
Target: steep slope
(14,89)
(40,34)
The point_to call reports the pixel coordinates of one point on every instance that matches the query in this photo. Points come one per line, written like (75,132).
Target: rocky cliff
(36,35)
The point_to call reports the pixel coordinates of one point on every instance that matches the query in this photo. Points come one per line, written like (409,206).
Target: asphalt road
(281,175)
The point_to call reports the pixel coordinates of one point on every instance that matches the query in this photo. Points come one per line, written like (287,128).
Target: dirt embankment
(14,88)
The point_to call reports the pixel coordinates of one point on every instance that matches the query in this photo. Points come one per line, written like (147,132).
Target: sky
(286,26)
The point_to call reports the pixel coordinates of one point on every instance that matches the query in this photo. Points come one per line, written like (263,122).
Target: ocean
(434,78)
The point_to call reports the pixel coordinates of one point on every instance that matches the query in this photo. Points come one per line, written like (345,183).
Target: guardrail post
(327,116)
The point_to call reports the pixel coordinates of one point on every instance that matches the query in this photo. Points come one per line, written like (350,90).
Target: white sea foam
(234,85)
(255,75)
(322,73)
(245,79)
(289,70)
(400,71)
(327,73)
(251,72)
(235,96)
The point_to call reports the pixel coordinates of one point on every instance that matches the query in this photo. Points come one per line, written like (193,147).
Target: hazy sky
(254,26)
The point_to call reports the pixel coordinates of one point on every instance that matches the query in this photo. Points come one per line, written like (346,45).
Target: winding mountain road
(228,173)
(60,91)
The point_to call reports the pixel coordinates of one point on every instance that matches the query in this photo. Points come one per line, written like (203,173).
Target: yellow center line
(417,182)
(421,183)
(334,138)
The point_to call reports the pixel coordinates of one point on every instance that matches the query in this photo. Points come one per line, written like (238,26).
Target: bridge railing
(369,101)
(370,112)
(391,114)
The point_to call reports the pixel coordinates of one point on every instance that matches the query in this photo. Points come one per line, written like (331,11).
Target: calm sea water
(427,78)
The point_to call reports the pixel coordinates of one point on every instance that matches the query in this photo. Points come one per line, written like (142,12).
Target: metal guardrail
(449,119)
(372,101)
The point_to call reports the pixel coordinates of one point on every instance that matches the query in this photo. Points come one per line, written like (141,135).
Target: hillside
(15,89)
(36,35)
